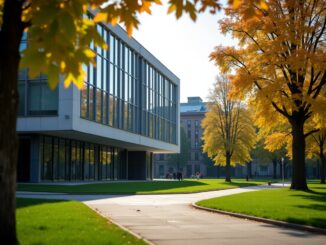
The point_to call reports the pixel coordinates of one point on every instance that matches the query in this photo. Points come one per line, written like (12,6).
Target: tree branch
(311,132)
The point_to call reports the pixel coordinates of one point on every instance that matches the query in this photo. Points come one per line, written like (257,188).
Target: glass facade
(73,160)
(35,96)
(125,91)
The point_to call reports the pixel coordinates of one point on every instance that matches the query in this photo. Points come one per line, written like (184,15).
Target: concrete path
(170,219)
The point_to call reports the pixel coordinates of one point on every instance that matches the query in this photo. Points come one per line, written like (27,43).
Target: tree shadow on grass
(317,222)
(113,188)
(319,188)
(313,206)
(139,187)
(313,196)
(319,204)
(240,184)
(27,202)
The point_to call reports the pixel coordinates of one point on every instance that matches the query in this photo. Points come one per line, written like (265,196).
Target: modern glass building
(127,110)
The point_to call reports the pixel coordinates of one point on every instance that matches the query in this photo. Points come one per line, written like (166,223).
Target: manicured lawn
(299,207)
(145,187)
(62,222)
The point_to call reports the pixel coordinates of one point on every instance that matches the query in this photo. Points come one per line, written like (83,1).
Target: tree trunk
(298,149)
(249,164)
(10,36)
(322,166)
(274,168)
(228,168)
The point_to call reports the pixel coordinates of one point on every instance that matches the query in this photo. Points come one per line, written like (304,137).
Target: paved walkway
(170,219)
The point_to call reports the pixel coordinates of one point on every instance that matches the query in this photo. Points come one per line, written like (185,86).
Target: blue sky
(184,46)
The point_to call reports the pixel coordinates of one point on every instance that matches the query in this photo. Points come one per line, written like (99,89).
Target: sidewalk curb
(264,220)
(109,219)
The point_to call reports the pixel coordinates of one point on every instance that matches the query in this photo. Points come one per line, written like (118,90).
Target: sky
(183,46)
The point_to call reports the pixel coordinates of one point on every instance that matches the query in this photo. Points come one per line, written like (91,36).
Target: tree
(180,160)
(316,142)
(281,139)
(229,134)
(316,145)
(59,34)
(280,66)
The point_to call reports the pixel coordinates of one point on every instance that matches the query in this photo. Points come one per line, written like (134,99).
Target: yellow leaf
(236,3)
(79,81)
(146,7)
(89,53)
(85,7)
(172,8)
(62,66)
(129,29)
(104,46)
(68,79)
(263,5)
(114,21)
(100,17)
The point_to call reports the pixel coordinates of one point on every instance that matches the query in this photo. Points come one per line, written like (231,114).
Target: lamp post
(282,161)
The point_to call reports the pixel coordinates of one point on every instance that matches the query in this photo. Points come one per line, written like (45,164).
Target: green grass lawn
(301,207)
(66,222)
(144,187)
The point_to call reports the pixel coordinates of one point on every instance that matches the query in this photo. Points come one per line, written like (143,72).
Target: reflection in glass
(84,104)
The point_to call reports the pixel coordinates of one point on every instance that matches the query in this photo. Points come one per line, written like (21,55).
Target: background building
(127,109)
(191,115)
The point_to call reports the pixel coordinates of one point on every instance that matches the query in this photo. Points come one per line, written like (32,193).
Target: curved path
(170,219)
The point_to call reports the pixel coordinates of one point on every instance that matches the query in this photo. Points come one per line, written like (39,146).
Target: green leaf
(53,76)
(67,25)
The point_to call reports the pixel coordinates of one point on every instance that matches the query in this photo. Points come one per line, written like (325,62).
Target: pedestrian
(197,175)
(179,175)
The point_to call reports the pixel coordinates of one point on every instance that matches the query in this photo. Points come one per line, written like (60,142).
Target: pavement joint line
(264,220)
(121,226)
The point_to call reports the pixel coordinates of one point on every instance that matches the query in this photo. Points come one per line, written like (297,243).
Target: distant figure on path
(197,175)
(179,175)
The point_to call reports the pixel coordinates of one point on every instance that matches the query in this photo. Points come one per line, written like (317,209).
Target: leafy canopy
(280,61)
(60,32)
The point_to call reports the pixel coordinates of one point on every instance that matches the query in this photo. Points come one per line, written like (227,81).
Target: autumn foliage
(280,66)
(68,25)
(229,134)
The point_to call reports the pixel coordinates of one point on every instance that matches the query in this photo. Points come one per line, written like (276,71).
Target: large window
(110,92)
(72,160)
(36,94)
(159,105)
